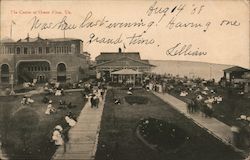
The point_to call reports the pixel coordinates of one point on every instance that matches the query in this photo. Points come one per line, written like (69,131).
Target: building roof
(126,72)
(64,39)
(38,38)
(236,69)
(144,62)
(6,40)
(107,56)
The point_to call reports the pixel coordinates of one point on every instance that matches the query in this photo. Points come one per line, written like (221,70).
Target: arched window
(5,73)
(61,72)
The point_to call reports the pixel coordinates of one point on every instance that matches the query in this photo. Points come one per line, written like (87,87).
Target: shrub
(165,135)
(136,100)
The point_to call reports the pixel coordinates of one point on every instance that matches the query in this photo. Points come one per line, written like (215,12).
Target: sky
(221,34)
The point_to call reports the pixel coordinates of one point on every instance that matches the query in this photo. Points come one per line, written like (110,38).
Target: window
(7,50)
(60,50)
(38,68)
(11,50)
(41,68)
(36,50)
(68,49)
(40,50)
(65,49)
(47,50)
(3,50)
(35,68)
(18,50)
(25,51)
(31,68)
(73,48)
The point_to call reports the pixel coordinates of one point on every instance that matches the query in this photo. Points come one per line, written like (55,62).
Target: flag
(124,46)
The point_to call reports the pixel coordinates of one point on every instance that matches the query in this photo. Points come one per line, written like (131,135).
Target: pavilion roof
(126,72)
(236,69)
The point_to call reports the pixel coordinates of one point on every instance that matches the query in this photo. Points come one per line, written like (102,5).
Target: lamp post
(12,85)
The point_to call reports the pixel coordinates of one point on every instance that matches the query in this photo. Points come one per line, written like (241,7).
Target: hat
(50,101)
(58,127)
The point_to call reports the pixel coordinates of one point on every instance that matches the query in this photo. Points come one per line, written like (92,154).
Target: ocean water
(189,69)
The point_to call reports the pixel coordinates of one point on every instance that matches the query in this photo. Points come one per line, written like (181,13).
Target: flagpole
(124,47)
(11,30)
(13,76)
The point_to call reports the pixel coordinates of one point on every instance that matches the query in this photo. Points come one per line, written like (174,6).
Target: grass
(117,139)
(26,130)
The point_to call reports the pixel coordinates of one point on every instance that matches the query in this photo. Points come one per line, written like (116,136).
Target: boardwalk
(213,126)
(83,137)
(3,155)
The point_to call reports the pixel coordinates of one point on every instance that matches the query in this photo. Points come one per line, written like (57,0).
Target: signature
(185,50)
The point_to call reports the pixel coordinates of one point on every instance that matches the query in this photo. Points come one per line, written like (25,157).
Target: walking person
(102,93)
(92,101)
(97,102)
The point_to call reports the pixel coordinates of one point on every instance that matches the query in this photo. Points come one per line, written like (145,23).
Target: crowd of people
(200,94)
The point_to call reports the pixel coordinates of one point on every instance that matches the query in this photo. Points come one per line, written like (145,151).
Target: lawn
(118,140)
(26,130)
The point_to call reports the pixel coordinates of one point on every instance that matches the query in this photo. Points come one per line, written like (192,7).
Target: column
(141,79)
(134,80)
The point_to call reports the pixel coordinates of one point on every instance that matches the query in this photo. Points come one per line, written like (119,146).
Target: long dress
(49,109)
(57,137)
